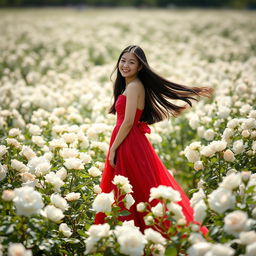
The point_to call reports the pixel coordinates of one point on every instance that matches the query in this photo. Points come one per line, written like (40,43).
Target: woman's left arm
(130,111)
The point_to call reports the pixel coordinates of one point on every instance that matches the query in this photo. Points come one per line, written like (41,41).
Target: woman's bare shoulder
(136,84)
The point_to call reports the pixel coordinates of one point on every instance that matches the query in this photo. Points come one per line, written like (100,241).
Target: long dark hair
(157,89)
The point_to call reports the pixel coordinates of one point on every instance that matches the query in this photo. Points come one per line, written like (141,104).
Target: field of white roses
(55,92)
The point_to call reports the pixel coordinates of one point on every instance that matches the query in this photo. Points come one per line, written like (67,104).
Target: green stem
(219,165)
(23,230)
(72,179)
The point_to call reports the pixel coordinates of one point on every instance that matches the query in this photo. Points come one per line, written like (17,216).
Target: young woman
(141,98)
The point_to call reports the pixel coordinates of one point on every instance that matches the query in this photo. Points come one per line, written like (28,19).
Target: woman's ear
(140,67)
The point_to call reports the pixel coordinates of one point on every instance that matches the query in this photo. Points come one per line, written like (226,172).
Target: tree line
(138,3)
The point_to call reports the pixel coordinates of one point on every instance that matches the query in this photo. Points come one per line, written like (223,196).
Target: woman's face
(129,65)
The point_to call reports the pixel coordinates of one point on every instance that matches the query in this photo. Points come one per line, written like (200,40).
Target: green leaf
(170,251)
(82,233)
(71,240)
(124,213)
(214,160)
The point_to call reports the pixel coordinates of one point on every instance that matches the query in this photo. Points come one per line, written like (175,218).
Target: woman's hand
(111,157)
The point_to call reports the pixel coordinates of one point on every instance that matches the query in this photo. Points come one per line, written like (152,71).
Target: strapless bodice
(120,110)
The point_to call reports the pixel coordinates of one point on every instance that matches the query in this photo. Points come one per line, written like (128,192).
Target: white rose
(200,211)
(34,129)
(18,249)
(248,237)
(74,163)
(3,150)
(13,142)
(52,213)
(195,238)
(251,249)
(254,145)
(48,156)
(69,152)
(129,201)
(99,231)
(149,220)
(221,199)
(86,158)
(94,171)
(191,155)
(245,133)
(119,179)
(218,145)
(182,222)
(97,189)
(19,166)
(177,210)
(207,151)
(201,184)
(154,236)
(69,137)
(209,134)
(195,145)
(194,121)
(233,123)
(103,202)
(165,192)
(236,222)
(220,250)
(39,165)
(200,131)
(158,210)
(27,152)
(59,201)
(198,165)
(58,143)
(229,156)
(197,197)
(123,182)
(157,249)
(127,188)
(199,249)
(245,175)
(95,233)
(38,140)
(8,195)
(65,230)
(42,168)
(27,201)
(141,207)
(72,196)
(232,181)
(62,173)
(224,112)
(55,180)
(26,176)
(227,134)
(131,240)
(3,171)
(238,147)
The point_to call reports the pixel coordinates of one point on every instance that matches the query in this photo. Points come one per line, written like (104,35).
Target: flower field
(55,92)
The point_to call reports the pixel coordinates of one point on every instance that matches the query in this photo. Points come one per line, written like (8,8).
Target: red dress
(137,160)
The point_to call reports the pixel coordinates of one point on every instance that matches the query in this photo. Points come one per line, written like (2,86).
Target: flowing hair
(157,91)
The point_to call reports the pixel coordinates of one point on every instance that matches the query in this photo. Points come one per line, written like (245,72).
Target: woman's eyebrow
(125,58)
